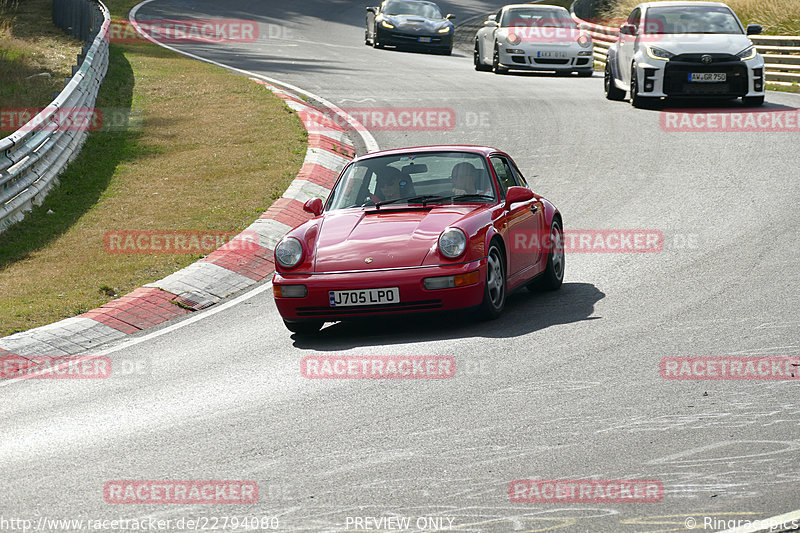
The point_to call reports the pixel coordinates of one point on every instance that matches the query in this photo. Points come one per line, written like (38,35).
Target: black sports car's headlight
(387,25)
(446,29)
(452,242)
(289,252)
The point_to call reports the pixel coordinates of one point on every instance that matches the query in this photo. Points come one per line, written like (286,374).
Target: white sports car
(533,37)
(684,49)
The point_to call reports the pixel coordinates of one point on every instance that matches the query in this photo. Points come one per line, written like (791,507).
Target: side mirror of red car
(313,206)
(518,194)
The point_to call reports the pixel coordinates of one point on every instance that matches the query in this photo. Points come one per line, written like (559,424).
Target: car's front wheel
(612,91)
(498,69)
(476,59)
(304,327)
(753,101)
(494,292)
(636,100)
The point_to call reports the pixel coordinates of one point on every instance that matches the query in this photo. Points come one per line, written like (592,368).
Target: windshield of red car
(459,177)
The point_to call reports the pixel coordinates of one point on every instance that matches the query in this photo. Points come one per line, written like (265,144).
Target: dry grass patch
(207,150)
(35,55)
(778,17)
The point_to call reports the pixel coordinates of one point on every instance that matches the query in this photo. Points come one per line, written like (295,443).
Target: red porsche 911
(413,230)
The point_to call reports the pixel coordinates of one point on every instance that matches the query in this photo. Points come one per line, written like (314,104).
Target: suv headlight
(659,53)
(452,242)
(288,252)
(748,53)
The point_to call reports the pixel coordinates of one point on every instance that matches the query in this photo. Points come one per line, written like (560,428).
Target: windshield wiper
(387,202)
(473,196)
(428,198)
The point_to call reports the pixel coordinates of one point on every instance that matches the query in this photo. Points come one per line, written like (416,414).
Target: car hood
(390,238)
(695,43)
(416,23)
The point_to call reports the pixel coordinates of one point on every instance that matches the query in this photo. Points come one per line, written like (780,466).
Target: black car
(409,24)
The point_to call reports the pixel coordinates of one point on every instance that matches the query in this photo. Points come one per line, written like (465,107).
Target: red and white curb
(227,270)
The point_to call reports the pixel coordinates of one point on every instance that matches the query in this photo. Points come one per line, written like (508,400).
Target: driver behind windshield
(388,186)
(466,180)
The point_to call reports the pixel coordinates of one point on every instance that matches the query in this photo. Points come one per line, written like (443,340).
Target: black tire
(496,67)
(476,60)
(304,327)
(612,91)
(753,101)
(553,275)
(494,291)
(639,102)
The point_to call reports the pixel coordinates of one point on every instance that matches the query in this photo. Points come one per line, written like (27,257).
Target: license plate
(552,53)
(390,295)
(708,76)
(424,39)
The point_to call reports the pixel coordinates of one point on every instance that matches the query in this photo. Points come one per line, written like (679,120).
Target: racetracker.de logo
(377,366)
(711,120)
(59,119)
(730,368)
(54,367)
(185,31)
(387,118)
(178,242)
(590,241)
(180,492)
(585,491)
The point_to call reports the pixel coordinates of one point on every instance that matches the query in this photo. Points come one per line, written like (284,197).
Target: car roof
(646,5)
(482,150)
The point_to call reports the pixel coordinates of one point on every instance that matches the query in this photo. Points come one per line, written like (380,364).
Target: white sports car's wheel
(641,102)
(476,59)
(498,69)
(612,91)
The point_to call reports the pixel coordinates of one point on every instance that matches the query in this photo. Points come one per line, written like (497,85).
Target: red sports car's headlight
(452,242)
(289,252)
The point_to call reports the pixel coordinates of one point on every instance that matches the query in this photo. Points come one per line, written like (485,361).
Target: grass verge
(204,150)
(35,57)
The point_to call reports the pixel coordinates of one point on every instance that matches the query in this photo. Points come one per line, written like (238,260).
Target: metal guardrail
(781,54)
(32,157)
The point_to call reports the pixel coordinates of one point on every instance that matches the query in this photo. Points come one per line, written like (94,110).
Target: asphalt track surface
(563,386)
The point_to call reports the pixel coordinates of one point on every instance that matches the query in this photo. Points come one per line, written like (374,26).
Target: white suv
(687,50)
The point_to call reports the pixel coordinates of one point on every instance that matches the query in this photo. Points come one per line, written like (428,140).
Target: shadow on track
(525,313)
